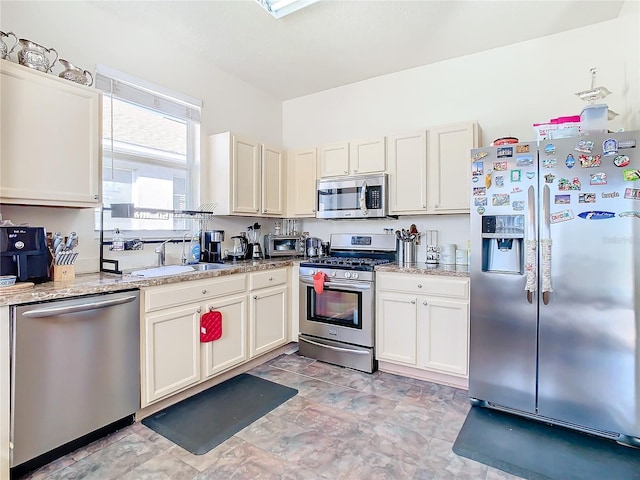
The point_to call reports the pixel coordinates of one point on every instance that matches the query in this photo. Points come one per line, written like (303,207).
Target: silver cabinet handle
(50,312)
(413,302)
(425,303)
(204,291)
(199,310)
(255,297)
(271,279)
(419,285)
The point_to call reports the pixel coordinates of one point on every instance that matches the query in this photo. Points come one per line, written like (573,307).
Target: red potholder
(318,282)
(210,326)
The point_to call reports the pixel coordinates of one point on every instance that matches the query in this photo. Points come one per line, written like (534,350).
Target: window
(151,141)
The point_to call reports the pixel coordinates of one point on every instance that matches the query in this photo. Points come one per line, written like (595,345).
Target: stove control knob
(333,274)
(354,275)
(312,272)
(347,274)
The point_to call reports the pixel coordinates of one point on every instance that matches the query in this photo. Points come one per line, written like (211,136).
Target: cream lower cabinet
(268,311)
(172,356)
(423,322)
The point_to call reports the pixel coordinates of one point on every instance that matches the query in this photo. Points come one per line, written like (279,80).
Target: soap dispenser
(194,249)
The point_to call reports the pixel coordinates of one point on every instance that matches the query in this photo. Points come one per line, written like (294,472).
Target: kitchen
(411,99)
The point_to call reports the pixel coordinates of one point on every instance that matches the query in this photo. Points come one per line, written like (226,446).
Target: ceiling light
(280,8)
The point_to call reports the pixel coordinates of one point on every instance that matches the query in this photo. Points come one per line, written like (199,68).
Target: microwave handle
(363,198)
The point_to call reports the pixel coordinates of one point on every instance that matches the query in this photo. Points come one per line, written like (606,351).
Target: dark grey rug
(539,451)
(207,419)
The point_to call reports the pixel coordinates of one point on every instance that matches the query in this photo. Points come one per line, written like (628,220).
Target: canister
(448,254)
(461,257)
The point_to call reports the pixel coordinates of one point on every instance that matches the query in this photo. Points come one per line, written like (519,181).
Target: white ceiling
(334,43)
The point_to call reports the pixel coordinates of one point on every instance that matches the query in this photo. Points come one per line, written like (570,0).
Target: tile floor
(343,424)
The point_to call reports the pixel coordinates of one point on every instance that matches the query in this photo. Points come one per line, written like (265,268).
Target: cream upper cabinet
(334,160)
(238,171)
(407,168)
(51,139)
(449,165)
(423,322)
(367,156)
(301,188)
(268,310)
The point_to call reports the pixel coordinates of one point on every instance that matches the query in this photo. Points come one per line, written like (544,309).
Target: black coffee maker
(24,253)
(210,246)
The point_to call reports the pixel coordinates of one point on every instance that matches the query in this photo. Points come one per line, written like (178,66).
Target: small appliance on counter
(313,247)
(283,246)
(254,238)
(211,246)
(24,253)
(241,250)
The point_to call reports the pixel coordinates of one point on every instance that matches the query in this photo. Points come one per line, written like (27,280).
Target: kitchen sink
(178,269)
(202,267)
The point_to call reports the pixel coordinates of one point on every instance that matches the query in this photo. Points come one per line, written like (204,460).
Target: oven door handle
(331,347)
(353,286)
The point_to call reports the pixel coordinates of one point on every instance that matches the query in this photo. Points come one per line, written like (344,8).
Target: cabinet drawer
(423,285)
(268,278)
(164,296)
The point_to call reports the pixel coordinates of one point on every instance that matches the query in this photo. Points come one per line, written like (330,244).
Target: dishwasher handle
(53,311)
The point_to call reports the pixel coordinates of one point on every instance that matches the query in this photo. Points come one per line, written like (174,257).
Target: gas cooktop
(363,263)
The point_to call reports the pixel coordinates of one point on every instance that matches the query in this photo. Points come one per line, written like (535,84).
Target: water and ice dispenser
(503,243)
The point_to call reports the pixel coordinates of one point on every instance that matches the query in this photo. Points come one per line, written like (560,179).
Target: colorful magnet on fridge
(549,149)
(626,144)
(564,184)
(479,156)
(524,160)
(587,198)
(584,146)
(599,178)
(632,193)
(561,216)
(549,178)
(522,148)
(504,152)
(549,162)
(479,191)
(474,179)
(610,147)
(570,161)
(621,161)
(500,167)
(487,180)
(477,168)
(499,180)
(516,190)
(631,175)
(564,199)
(596,215)
(516,175)
(630,213)
(518,205)
(480,201)
(589,161)
(530,175)
(481,210)
(500,200)
(610,195)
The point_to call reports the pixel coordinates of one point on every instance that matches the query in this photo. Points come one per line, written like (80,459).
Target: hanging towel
(210,326)
(318,282)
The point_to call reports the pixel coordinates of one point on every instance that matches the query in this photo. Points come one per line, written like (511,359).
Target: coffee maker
(211,246)
(24,253)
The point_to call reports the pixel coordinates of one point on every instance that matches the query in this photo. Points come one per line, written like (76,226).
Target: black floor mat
(539,451)
(207,419)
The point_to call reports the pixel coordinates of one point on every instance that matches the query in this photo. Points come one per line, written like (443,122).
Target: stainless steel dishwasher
(75,368)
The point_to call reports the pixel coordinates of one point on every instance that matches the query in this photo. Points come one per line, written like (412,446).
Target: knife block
(63,273)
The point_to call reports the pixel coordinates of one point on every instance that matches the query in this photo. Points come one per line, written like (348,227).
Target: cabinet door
(273,181)
(443,335)
(396,316)
(51,139)
(368,156)
(449,167)
(246,173)
(171,352)
(5,389)
(230,349)
(334,160)
(302,183)
(268,319)
(407,165)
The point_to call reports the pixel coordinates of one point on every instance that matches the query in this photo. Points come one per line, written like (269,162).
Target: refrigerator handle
(545,246)
(531,247)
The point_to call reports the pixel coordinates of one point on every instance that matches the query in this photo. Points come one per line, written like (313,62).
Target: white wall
(85,35)
(506,89)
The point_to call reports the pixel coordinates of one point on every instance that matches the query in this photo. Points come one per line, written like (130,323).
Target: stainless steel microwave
(362,196)
(283,246)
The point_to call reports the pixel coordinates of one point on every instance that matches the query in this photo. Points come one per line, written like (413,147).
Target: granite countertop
(95,283)
(422,268)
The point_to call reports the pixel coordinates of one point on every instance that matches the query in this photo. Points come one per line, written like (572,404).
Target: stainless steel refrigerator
(555,282)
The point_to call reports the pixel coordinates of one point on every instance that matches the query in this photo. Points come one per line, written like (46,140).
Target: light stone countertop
(96,283)
(421,268)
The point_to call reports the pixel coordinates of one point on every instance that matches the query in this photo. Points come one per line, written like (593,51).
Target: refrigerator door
(589,360)
(503,341)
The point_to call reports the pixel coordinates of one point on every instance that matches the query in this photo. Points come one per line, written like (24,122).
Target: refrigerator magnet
(631,175)
(500,167)
(505,152)
(474,179)
(549,178)
(479,156)
(561,216)
(549,149)
(564,184)
(627,144)
(522,148)
(621,161)
(570,161)
(630,213)
(524,160)
(632,193)
(477,169)
(584,146)
(479,191)
(599,178)
(610,146)
(518,205)
(587,198)
(480,201)
(549,162)
(596,215)
(610,195)
(516,190)
(564,199)
(516,175)
(589,161)
(487,180)
(530,175)
(500,200)
(481,210)
(499,180)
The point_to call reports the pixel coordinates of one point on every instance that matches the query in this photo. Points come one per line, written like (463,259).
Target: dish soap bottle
(117,243)
(194,250)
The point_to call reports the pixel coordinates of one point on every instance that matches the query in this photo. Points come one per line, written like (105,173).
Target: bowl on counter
(7,280)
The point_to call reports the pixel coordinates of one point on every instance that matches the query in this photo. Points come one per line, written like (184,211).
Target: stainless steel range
(337,300)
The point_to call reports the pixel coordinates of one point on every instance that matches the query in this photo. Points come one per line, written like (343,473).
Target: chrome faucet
(183,258)
(161,252)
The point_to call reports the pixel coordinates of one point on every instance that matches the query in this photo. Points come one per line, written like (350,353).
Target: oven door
(343,312)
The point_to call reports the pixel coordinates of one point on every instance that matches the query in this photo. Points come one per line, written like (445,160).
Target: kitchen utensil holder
(407,253)
(63,273)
